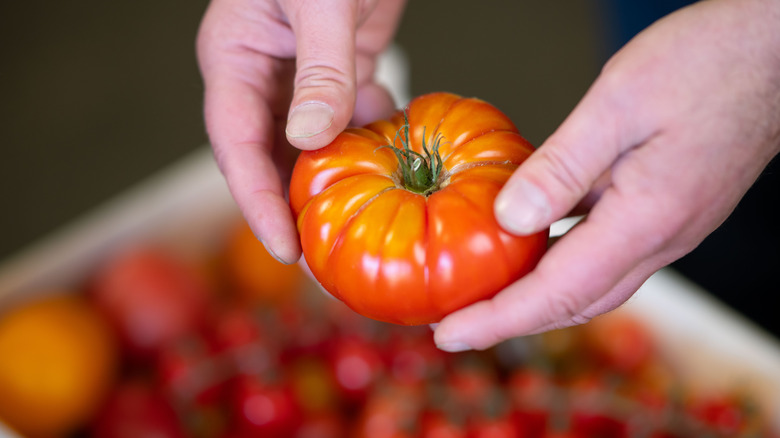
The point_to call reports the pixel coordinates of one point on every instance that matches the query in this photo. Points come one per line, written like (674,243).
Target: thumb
(324,96)
(562,172)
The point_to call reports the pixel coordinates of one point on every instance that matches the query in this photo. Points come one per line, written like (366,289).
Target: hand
(666,142)
(303,65)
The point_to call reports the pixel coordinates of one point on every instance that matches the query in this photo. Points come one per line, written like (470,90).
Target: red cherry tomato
(438,424)
(261,408)
(356,367)
(190,372)
(151,297)
(135,409)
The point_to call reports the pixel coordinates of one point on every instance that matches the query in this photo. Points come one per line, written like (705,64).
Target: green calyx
(420,173)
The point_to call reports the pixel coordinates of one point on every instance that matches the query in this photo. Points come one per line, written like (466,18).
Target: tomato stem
(420,172)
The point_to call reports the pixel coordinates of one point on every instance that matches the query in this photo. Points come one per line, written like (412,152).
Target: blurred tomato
(531,393)
(620,342)
(441,424)
(190,372)
(136,410)
(601,425)
(327,424)
(314,385)
(151,297)
(356,367)
(241,342)
(720,413)
(415,359)
(255,276)
(471,381)
(58,359)
(498,427)
(391,412)
(263,407)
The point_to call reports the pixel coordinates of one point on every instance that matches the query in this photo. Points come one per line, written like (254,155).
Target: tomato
(263,407)
(406,234)
(392,412)
(620,342)
(415,359)
(190,373)
(356,367)
(58,361)
(438,424)
(598,425)
(135,409)
(151,297)
(322,425)
(254,276)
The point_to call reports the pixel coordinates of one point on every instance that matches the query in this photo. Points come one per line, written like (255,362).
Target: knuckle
(563,168)
(565,310)
(323,76)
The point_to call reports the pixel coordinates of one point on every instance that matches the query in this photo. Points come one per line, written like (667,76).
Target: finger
(324,96)
(567,167)
(571,284)
(241,129)
(373,103)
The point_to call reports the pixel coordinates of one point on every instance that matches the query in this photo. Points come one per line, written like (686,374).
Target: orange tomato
(254,274)
(59,360)
(406,233)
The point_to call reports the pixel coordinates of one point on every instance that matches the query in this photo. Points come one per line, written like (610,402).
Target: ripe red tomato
(406,234)
(151,297)
(356,367)
(264,408)
(136,409)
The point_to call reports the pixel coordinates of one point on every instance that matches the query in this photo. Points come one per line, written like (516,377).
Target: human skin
(668,139)
(662,147)
(260,61)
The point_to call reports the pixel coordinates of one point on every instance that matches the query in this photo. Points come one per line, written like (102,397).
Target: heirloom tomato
(396,218)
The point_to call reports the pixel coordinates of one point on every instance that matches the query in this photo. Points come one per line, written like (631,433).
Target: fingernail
(454,347)
(271,253)
(309,119)
(522,208)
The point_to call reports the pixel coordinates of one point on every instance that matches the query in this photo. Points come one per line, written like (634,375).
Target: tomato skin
(399,256)
(151,297)
(136,409)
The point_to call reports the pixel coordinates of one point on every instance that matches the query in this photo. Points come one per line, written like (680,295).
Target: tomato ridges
(411,256)
(459,168)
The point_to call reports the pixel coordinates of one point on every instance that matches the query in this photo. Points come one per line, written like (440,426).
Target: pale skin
(668,139)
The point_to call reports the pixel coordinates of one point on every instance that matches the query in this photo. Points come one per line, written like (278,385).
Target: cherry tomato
(151,297)
(415,359)
(322,425)
(190,372)
(392,412)
(406,233)
(598,425)
(438,424)
(136,409)
(502,427)
(719,413)
(620,342)
(264,408)
(356,367)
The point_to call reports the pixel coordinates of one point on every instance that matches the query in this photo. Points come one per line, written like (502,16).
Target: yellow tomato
(59,359)
(255,275)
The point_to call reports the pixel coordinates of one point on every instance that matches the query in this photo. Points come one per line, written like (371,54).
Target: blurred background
(98,95)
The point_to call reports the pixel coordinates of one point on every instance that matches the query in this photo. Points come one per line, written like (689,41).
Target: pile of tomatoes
(236,345)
